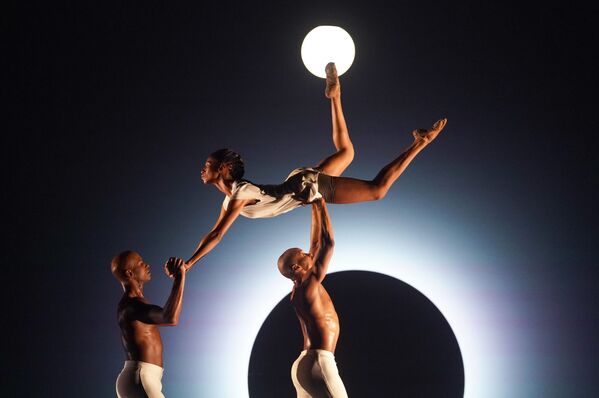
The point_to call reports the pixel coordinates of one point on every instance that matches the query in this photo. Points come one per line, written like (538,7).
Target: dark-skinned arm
(169,315)
(213,238)
(315,232)
(322,232)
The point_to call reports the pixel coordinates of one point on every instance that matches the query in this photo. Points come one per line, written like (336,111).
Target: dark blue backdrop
(113,108)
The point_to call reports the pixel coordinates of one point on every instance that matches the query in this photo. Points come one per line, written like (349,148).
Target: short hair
(232,159)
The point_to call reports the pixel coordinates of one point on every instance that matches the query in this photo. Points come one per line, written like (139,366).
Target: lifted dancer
(139,321)
(314,372)
(224,170)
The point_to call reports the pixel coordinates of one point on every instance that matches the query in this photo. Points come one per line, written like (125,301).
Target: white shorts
(139,380)
(315,375)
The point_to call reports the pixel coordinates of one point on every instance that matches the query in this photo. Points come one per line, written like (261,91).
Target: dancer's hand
(318,202)
(174,266)
(303,197)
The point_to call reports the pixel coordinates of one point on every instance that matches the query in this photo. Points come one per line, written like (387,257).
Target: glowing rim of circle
(471,351)
(374,272)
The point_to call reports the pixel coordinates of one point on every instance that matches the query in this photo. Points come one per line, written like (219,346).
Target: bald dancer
(314,372)
(139,320)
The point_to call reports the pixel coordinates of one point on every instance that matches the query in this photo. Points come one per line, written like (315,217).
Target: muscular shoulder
(128,307)
(312,288)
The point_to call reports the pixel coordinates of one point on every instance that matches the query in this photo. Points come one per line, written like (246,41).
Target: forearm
(316,229)
(208,243)
(327,243)
(226,219)
(326,227)
(174,304)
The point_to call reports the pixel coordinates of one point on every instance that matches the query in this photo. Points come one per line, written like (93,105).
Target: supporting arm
(322,230)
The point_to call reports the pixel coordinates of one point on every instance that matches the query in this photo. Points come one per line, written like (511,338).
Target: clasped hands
(174,266)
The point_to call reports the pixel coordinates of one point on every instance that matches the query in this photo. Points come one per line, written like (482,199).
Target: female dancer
(224,169)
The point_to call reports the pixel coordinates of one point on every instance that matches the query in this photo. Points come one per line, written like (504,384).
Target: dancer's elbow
(217,235)
(379,194)
(351,153)
(329,242)
(171,320)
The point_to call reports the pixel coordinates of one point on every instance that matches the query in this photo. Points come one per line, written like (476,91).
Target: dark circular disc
(394,342)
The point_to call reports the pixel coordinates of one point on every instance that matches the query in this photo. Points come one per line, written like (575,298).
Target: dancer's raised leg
(352,190)
(335,164)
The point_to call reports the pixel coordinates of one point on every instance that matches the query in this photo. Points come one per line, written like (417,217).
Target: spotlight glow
(325,44)
(476,299)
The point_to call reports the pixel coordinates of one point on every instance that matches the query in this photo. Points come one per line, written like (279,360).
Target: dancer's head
(294,264)
(128,267)
(225,163)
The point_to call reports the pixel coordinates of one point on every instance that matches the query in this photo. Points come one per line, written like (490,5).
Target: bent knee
(350,153)
(347,153)
(379,192)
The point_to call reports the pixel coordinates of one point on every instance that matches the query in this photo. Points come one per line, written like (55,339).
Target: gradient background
(113,107)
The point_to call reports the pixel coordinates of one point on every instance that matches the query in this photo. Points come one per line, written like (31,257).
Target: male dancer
(139,321)
(314,372)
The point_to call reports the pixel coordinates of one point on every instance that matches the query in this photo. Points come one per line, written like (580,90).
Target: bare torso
(316,313)
(141,341)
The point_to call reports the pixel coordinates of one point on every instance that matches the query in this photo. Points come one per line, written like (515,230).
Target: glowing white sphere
(325,44)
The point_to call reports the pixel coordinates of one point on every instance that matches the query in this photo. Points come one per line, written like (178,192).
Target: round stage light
(325,44)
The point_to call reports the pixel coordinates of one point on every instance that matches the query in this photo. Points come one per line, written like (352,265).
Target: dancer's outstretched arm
(322,240)
(213,238)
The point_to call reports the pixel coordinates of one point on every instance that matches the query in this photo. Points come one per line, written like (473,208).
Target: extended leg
(335,164)
(352,190)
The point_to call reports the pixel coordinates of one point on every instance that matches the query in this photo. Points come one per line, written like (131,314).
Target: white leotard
(269,205)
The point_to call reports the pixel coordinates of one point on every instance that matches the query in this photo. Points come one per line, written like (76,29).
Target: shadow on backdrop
(394,342)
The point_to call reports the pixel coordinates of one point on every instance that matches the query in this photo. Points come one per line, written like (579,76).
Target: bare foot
(427,136)
(333,88)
